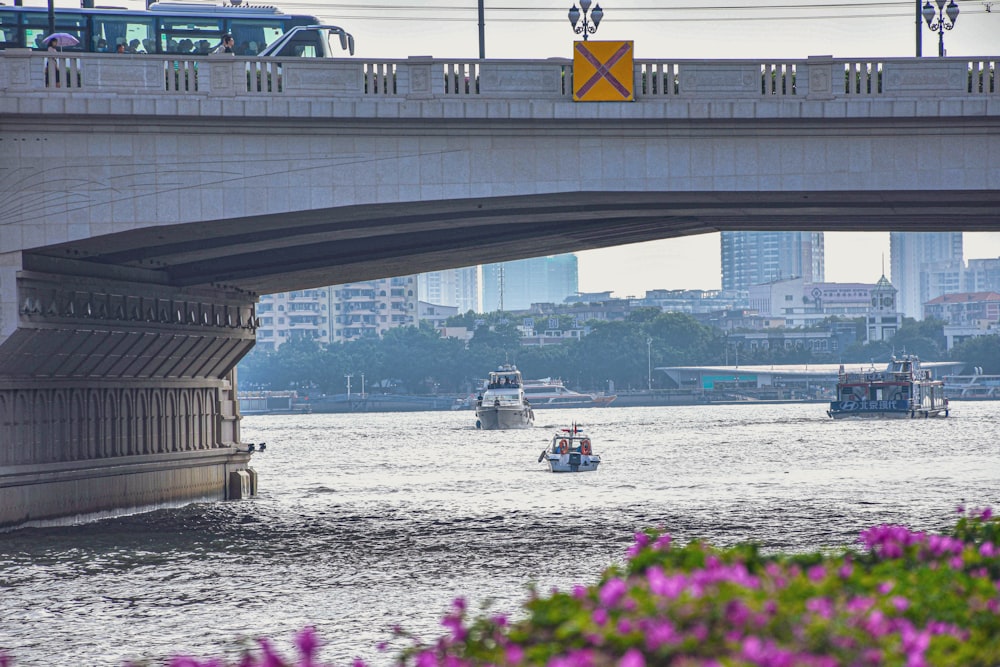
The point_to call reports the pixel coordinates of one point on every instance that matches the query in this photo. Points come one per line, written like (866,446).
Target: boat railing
(869,376)
(505,400)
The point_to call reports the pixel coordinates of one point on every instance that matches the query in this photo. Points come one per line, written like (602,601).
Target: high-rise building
(518,284)
(338,313)
(983,275)
(372,307)
(287,316)
(452,287)
(925,265)
(754,258)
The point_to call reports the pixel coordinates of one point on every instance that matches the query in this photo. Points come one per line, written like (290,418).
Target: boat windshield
(504,381)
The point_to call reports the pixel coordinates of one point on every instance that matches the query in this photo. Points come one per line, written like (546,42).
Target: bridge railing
(429,78)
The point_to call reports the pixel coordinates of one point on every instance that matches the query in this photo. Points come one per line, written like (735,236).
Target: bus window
(37,28)
(137,34)
(252,36)
(8,30)
(190,34)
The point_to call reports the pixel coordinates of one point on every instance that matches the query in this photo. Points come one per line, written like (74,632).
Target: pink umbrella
(61,39)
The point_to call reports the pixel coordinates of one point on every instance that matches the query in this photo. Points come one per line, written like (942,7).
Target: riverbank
(342,404)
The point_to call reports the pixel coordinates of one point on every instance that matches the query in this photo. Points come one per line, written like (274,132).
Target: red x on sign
(602,72)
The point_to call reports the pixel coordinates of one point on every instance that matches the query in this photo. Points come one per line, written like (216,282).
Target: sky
(708,29)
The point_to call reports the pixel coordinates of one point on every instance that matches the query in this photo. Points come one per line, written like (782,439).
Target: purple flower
(632,658)
(612,591)
(641,540)
(514,654)
(820,606)
(271,659)
(454,623)
(307,643)
(600,616)
(659,633)
(660,584)
(426,659)
(737,613)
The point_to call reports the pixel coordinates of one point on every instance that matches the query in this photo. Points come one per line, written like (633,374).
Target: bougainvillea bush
(903,598)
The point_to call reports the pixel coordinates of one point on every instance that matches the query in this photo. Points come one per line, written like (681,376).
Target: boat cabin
(505,377)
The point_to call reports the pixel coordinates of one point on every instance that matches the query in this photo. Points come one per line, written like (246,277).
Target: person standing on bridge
(227,44)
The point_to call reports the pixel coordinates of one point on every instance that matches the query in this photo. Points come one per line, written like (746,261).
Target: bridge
(148,200)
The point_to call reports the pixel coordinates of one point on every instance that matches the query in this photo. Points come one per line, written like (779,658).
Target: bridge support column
(118,395)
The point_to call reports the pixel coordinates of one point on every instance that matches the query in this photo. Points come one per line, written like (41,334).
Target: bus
(165,27)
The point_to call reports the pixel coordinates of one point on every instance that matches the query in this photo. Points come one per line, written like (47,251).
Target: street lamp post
(649,363)
(936,20)
(586,27)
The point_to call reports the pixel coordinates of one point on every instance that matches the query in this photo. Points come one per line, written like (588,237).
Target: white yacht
(552,393)
(502,404)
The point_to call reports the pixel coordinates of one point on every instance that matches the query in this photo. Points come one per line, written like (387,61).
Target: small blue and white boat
(570,451)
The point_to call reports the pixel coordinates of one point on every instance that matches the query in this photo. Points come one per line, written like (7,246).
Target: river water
(365,521)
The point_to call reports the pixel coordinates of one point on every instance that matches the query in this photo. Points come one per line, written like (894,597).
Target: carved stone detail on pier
(63,424)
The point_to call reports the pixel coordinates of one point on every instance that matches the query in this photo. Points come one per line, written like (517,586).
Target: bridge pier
(115,393)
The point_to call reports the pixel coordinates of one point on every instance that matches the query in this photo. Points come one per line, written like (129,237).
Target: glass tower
(518,284)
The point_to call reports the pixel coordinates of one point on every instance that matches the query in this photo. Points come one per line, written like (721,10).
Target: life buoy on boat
(564,446)
(585,447)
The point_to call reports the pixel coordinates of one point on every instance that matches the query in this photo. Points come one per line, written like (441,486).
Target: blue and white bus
(166,27)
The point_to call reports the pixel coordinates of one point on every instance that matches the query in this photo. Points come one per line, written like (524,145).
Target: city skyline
(694,262)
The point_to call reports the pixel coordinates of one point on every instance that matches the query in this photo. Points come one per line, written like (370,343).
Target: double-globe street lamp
(936,20)
(586,27)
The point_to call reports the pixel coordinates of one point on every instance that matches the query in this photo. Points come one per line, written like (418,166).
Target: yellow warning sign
(602,72)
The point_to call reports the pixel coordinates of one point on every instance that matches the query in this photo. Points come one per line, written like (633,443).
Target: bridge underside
(117,386)
(310,248)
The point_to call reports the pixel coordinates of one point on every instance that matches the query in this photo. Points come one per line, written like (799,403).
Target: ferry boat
(976,387)
(570,451)
(550,393)
(502,404)
(902,391)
